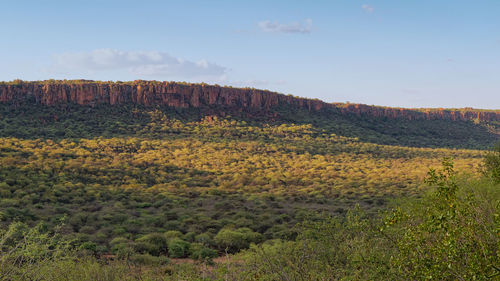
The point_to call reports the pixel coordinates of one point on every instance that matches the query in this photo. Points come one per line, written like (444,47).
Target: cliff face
(201,95)
(151,93)
(417,114)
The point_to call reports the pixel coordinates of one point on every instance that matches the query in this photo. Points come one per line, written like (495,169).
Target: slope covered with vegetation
(146,183)
(452,232)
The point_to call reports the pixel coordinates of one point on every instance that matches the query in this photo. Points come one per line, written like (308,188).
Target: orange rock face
(426,114)
(201,95)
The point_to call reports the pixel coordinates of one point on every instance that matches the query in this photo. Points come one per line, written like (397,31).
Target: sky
(404,53)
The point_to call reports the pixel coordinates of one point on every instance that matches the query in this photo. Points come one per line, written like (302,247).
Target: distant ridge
(187,95)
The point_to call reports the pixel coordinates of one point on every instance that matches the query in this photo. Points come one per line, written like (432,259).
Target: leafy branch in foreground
(24,250)
(491,164)
(449,235)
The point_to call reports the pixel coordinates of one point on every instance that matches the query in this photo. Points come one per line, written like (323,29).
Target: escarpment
(150,93)
(419,114)
(183,95)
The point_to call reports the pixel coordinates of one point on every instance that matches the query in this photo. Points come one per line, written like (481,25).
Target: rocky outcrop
(150,93)
(183,95)
(418,114)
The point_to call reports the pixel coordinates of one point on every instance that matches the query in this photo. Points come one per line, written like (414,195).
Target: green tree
(492,164)
(178,248)
(451,234)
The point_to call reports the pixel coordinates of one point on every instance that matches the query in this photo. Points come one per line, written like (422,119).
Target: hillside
(120,162)
(465,128)
(184,95)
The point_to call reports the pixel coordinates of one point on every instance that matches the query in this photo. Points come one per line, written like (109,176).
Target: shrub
(491,164)
(89,246)
(157,243)
(189,236)
(234,240)
(205,239)
(451,234)
(122,247)
(178,248)
(25,251)
(173,234)
(199,251)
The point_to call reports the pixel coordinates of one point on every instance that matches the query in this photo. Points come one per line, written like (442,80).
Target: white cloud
(139,63)
(295,27)
(368,8)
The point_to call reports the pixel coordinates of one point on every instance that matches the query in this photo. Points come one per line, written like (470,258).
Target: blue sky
(411,53)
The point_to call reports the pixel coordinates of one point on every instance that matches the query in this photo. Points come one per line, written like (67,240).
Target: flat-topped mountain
(126,165)
(186,95)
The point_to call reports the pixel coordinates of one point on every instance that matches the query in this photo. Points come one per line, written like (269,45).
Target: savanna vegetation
(126,192)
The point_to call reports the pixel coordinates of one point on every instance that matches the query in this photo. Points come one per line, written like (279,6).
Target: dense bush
(451,233)
(178,248)
(136,186)
(199,177)
(492,164)
(24,251)
(157,243)
(233,240)
(199,251)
